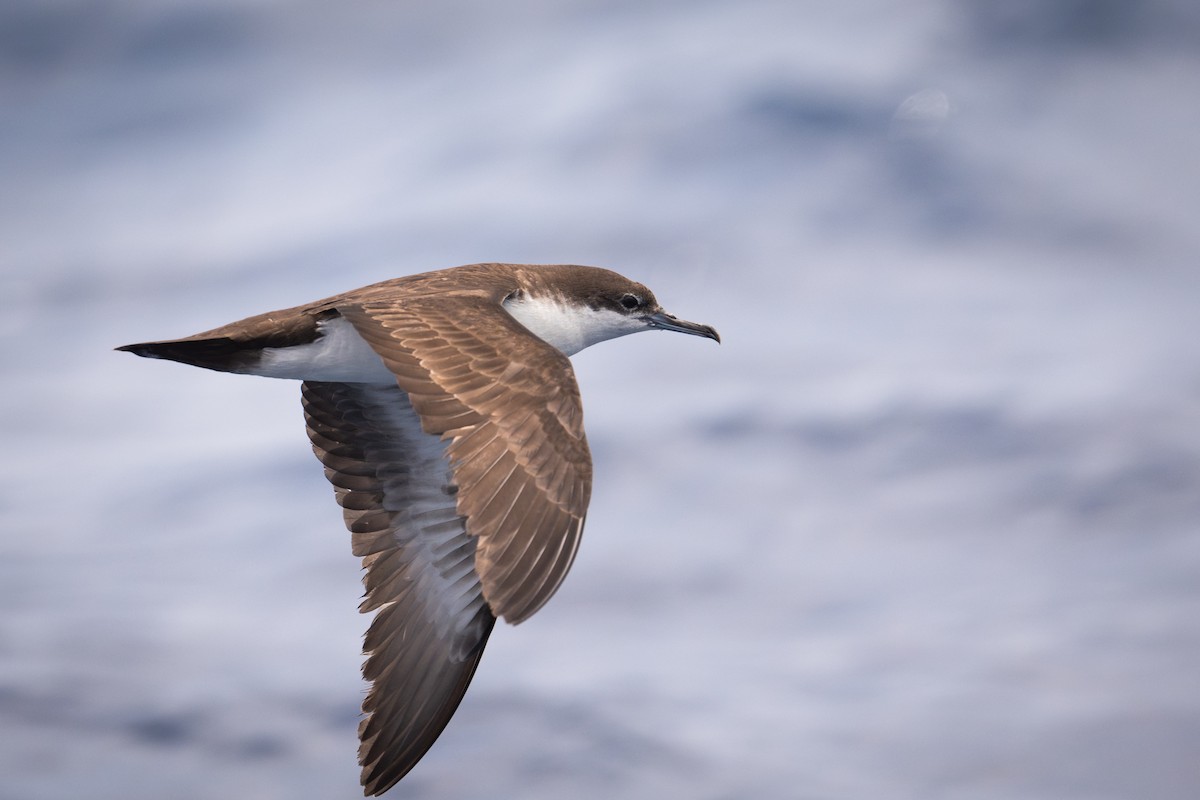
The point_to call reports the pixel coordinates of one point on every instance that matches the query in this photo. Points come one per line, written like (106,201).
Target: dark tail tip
(174,351)
(219,353)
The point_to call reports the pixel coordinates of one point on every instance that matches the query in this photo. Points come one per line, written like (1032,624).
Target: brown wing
(431,625)
(510,408)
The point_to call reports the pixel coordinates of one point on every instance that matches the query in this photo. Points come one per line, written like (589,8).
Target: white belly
(338,355)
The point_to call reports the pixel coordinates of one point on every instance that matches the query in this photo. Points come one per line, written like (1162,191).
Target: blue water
(926,525)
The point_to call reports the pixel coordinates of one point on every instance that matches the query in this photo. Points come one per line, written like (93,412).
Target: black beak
(666,322)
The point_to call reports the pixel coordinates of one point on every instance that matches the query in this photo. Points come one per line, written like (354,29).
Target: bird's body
(448,419)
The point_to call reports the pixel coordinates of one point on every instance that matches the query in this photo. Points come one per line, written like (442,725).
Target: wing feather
(509,407)
(465,488)
(431,621)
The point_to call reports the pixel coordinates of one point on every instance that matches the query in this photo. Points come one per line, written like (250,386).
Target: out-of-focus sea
(926,525)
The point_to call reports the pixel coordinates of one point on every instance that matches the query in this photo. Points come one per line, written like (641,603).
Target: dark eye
(631,301)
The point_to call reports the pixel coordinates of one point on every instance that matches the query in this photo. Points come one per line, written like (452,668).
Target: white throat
(567,326)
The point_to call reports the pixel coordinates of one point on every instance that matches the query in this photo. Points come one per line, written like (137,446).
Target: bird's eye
(631,301)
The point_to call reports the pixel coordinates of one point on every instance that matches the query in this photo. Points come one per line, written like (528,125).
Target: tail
(237,347)
(220,353)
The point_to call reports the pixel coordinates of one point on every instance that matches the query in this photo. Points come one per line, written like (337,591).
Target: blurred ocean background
(926,525)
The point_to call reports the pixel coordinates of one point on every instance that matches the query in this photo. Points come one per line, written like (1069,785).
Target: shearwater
(447,416)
